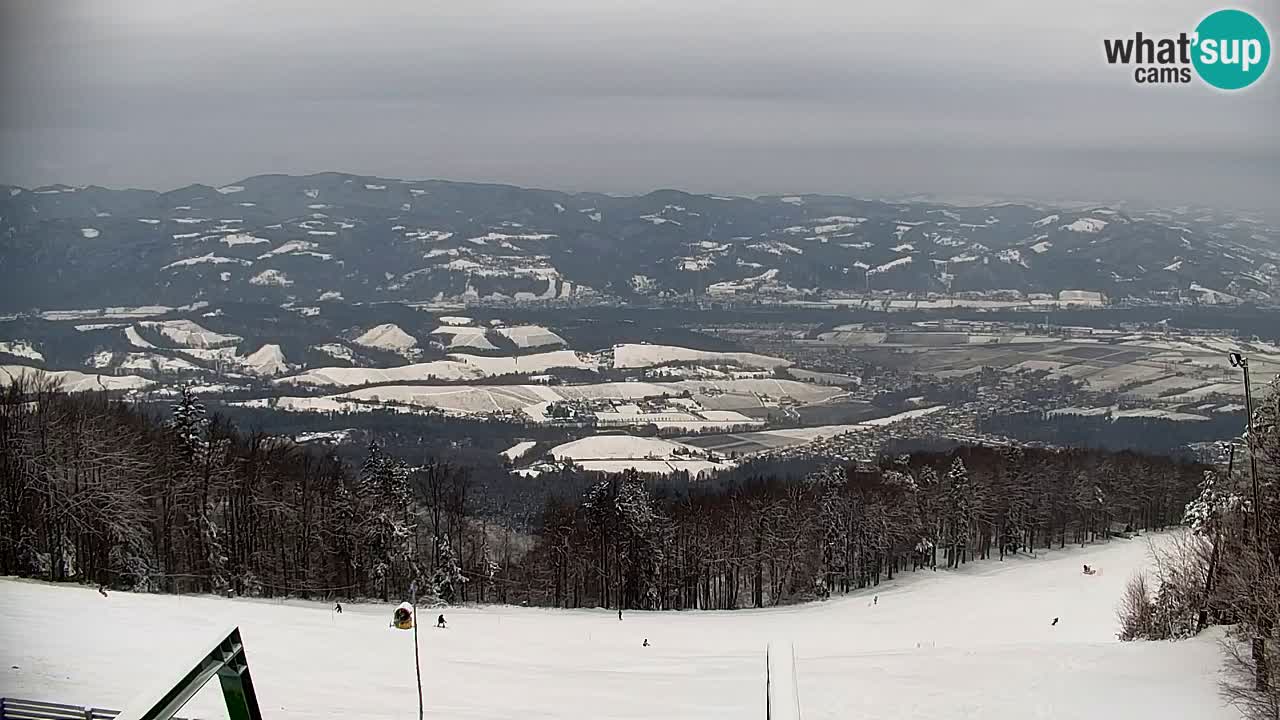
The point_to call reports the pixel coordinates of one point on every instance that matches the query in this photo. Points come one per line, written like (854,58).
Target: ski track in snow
(951,644)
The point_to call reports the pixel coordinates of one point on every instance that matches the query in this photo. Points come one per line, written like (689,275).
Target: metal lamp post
(1240,361)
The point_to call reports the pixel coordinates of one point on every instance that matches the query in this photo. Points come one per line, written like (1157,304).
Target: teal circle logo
(1231,49)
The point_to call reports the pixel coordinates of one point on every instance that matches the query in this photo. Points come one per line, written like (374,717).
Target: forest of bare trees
(95,490)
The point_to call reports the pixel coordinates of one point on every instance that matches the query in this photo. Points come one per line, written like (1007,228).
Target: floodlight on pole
(1240,361)
(1262,679)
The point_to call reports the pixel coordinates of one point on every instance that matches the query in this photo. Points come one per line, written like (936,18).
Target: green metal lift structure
(227,660)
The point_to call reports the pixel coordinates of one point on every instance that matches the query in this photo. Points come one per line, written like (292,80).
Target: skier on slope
(1054,623)
(440,621)
(337,607)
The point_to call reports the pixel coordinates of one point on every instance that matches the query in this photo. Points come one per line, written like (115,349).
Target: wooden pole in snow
(417,665)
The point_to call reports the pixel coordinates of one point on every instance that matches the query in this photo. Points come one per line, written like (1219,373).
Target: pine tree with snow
(386,530)
(447,580)
(189,423)
(959,509)
(929,507)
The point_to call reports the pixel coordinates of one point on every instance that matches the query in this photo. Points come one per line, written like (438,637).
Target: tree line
(100,491)
(759,540)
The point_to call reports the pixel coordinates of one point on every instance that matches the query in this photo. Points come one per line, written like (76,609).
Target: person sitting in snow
(646,642)
(440,621)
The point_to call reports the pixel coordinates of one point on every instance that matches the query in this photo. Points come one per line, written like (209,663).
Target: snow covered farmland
(617,453)
(388,336)
(74,380)
(456,367)
(185,333)
(630,355)
(531,336)
(972,643)
(531,400)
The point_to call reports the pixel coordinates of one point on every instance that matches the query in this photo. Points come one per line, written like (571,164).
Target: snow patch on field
(1086,225)
(266,361)
(633,355)
(188,334)
(464,338)
(1048,219)
(149,362)
(89,233)
(622,447)
(271,278)
(387,336)
(531,336)
(515,451)
(289,248)
(241,239)
(456,367)
(538,362)
(342,377)
(208,259)
(74,381)
(1013,256)
(21,348)
(231,189)
(341,352)
(890,265)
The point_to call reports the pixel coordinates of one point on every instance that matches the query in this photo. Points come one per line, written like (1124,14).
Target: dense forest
(1143,434)
(96,490)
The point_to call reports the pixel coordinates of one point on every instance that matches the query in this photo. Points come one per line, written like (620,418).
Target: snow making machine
(402,618)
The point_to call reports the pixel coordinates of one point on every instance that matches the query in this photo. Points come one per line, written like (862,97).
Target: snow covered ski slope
(977,643)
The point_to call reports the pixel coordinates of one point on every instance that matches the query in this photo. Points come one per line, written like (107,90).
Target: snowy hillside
(975,643)
(484,244)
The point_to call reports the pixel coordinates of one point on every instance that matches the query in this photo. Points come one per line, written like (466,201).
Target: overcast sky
(983,98)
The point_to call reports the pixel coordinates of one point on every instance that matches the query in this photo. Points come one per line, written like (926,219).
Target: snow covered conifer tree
(447,580)
(959,509)
(189,422)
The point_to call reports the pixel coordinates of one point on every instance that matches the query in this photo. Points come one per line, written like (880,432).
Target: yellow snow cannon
(402,618)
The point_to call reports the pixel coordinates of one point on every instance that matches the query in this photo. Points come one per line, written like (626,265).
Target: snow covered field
(976,643)
(632,355)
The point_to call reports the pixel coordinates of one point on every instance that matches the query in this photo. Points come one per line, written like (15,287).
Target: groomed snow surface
(973,643)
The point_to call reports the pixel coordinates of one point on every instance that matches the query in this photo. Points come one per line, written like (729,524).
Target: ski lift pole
(417,665)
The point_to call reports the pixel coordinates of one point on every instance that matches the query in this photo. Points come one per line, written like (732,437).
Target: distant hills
(334,236)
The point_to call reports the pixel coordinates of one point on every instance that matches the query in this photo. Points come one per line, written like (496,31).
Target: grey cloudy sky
(990,98)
